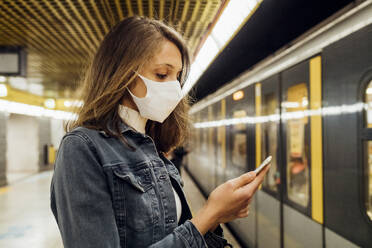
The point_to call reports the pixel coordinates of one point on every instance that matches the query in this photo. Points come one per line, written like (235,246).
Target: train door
(241,155)
(207,159)
(237,136)
(366,154)
(202,169)
(220,144)
(267,111)
(191,144)
(347,140)
(302,155)
(210,155)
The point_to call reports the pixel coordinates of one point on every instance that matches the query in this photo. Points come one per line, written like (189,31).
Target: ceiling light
(3,90)
(50,103)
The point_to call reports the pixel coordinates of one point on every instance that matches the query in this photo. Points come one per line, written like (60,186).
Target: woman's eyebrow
(169,65)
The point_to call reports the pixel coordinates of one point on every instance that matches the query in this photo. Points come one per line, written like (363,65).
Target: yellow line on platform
(4,189)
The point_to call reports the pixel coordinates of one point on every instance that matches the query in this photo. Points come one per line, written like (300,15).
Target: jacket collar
(123,127)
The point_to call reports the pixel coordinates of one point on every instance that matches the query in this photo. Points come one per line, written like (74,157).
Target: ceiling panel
(59,35)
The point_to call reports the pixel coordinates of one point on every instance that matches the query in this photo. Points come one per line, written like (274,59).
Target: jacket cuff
(216,241)
(191,235)
(219,231)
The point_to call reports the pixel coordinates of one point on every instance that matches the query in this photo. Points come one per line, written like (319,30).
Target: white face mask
(160,100)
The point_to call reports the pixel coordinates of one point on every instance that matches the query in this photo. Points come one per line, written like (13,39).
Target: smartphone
(263,165)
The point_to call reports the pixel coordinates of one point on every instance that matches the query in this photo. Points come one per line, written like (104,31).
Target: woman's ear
(132,85)
(138,87)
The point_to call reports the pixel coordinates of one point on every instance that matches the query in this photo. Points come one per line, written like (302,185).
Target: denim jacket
(106,195)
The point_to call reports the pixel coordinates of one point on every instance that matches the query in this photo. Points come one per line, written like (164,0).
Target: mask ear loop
(140,76)
(136,72)
(127,88)
(140,66)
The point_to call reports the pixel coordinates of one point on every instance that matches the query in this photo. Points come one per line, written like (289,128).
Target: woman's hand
(228,201)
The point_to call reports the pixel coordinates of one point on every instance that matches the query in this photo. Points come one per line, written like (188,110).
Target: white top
(136,121)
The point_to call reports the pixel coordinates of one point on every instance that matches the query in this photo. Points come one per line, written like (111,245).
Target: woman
(112,184)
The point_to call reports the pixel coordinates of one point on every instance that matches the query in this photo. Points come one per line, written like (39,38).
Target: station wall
(23,141)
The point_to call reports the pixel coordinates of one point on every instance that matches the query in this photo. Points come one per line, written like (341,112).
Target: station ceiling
(59,35)
(273,26)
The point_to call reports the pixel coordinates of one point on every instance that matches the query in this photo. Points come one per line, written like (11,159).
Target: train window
(220,137)
(297,144)
(369,105)
(239,154)
(194,133)
(239,114)
(211,135)
(221,132)
(198,133)
(269,140)
(368,167)
(204,140)
(369,179)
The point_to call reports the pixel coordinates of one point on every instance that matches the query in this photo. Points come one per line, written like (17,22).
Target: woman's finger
(243,214)
(252,187)
(244,209)
(244,179)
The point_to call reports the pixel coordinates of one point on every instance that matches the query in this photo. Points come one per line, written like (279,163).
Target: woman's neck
(128,102)
(133,118)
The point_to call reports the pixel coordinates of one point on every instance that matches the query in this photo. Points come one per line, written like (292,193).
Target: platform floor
(27,221)
(25,216)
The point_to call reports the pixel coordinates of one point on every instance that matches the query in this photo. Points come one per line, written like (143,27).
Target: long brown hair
(125,49)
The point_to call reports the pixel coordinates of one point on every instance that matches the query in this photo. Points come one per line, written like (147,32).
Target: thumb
(244,179)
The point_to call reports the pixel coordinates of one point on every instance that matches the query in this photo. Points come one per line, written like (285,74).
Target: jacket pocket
(133,196)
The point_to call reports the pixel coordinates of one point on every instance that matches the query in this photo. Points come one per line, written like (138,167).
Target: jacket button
(169,221)
(162,177)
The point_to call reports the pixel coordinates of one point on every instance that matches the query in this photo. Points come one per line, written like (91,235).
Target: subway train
(309,106)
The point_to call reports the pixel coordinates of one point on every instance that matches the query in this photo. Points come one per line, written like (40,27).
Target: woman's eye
(161,76)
